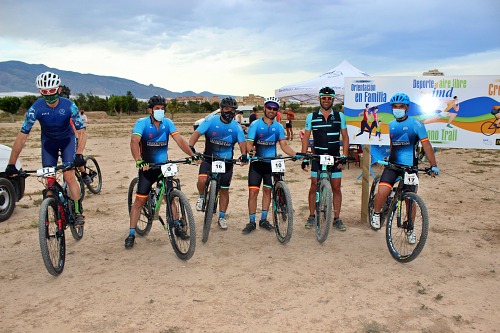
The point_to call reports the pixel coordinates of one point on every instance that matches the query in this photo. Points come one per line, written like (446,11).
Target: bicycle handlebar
(338,159)
(185,160)
(217,158)
(278,157)
(40,173)
(405,168)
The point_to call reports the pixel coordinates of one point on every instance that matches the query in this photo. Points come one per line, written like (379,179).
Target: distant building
(433,72)
(251,99)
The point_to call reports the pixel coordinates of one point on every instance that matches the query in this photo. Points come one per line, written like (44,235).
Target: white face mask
(158,114)
(398,113)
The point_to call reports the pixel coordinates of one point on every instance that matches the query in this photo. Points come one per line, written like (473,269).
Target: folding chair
(377,153)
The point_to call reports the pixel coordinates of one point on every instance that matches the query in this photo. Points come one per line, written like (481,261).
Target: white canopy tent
(307,91)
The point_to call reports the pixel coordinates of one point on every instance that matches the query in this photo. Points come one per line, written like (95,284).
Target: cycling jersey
(154,141)
(220,137)
(326,132)
(265,137)
(405,136)
(54,122)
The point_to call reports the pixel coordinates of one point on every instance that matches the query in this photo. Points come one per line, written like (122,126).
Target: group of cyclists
(63,132)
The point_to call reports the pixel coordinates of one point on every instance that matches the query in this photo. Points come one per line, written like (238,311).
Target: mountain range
(18,76)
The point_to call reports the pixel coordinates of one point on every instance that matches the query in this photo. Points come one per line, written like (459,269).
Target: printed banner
(458,111)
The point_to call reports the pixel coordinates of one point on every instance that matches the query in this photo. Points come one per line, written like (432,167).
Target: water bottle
(62,198)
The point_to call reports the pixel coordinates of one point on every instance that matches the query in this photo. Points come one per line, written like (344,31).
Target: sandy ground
(252,283)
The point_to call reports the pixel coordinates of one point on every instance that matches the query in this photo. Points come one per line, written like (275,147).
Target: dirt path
(252,283)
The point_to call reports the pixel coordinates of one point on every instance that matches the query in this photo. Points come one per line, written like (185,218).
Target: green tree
(65,91)
(116,105)
(215,106)
(10,104)
(193,107)
(206,107)
(173,107)
(27,101)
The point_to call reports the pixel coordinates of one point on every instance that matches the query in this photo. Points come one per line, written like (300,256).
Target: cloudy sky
(239,47)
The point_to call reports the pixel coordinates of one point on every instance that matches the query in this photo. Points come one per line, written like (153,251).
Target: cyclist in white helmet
(57,116)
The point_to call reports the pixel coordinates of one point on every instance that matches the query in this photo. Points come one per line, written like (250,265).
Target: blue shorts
(51,149)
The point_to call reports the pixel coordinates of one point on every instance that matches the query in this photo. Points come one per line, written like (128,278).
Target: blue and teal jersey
(54,122)
(154,141)
(220,137)
(326,132)
(405,136)
(265,137)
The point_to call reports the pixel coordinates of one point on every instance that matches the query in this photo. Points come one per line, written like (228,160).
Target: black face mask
(227,116)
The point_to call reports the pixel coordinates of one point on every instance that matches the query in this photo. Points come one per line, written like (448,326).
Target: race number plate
(218,167)
(169,170)
(278,165)
(411,179)
(46,172)
(326,160)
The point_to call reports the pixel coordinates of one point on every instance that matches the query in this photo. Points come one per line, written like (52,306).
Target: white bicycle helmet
(272,99)
(48,80)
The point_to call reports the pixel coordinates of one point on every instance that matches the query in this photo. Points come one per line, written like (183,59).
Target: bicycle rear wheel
(183,235)
(52,241)
(145,219)
(283,212)
(94,172)
(210,208)
(324,210)
(403,246)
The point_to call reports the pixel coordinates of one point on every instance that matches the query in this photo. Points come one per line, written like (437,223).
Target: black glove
(79,160)
(196,157)
(305,164)
(11,170)
(193,150)
(244,158)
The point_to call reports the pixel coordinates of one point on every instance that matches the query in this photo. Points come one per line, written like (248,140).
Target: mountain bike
(324,193)
(212,189)
(92,169)
(406,214)
(56,214)
(280,198)
(177,219)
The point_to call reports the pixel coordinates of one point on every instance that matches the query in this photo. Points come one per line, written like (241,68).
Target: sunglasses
(51,91)
(326,98)
(272,109)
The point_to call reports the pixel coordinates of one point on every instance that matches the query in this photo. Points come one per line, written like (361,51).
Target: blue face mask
(398,113)
(158,114)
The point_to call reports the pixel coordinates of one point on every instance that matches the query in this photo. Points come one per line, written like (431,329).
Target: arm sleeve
(75,116)
(308,125)
(251,132)
(138,128)
(205,124)
(29,121)
(342,121)
(171,128)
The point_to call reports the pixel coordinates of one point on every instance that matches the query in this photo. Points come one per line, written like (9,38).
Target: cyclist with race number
(405,133)
(149,144)
(57,116)
(263,134)
(326,126)
(221,134)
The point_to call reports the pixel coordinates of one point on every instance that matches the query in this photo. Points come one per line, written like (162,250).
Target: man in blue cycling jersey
(149,144)
(263,134)
(221,134)
(57,116)
(404,133)
(326,126)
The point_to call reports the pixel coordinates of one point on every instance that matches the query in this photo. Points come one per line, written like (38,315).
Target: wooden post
(365,183)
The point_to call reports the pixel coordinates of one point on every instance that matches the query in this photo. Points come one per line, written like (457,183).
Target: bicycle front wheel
(407,227)
(145,219)
(181,226)
(52,241)
(324,210)
(283,212)
(371,199)
(94,172)
(488,128)
(210,208)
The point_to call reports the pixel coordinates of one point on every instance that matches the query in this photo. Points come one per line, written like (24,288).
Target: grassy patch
(374,327)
